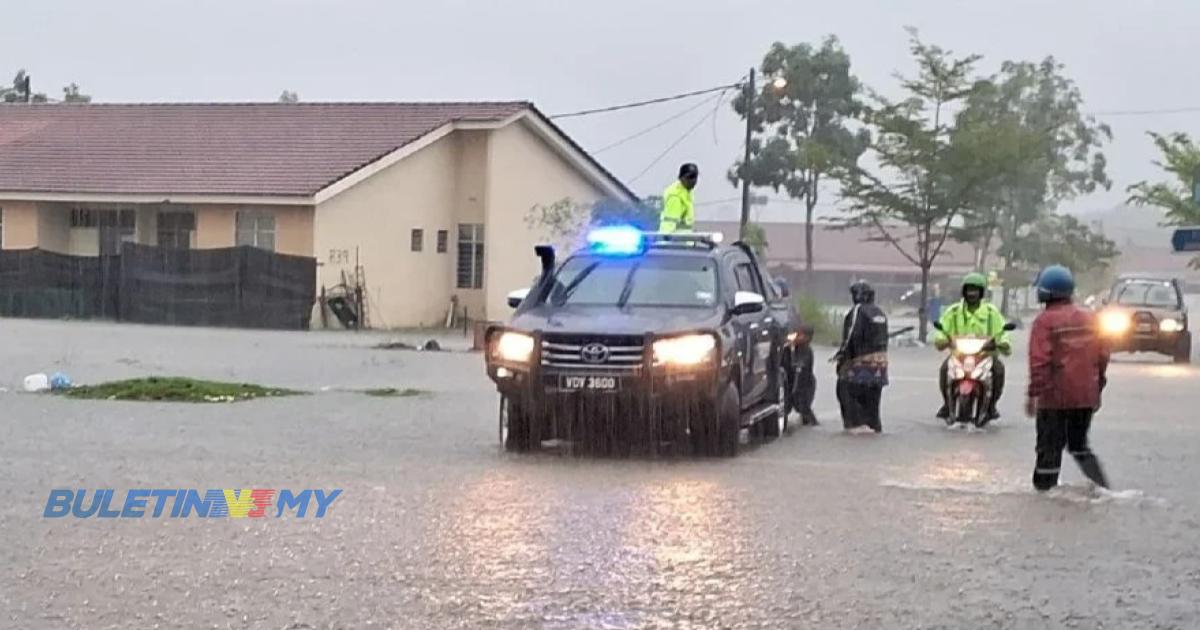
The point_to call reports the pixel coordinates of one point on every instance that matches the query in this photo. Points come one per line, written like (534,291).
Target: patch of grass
(175,389)
(392,392)
(827,330)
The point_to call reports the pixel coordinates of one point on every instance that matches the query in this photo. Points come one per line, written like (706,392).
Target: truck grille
(593,352)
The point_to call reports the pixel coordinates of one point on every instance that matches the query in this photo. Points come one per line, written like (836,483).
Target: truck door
(755,334)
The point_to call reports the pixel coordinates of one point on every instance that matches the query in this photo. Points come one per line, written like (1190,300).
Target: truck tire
(716,430)
(517,432)
(775,425)
(1183,348)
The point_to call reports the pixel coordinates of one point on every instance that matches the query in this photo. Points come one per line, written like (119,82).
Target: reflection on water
(958,476)
(646,550)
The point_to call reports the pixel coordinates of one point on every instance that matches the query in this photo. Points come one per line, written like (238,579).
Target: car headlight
(685,350)
(1170,325)
(514,346)
(1114,323)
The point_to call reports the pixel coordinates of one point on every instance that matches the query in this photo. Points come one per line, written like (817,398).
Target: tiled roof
(212,148)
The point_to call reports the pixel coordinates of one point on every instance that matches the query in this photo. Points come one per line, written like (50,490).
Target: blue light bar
(616,240)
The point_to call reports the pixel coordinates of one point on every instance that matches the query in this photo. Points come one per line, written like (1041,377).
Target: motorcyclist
(973,316)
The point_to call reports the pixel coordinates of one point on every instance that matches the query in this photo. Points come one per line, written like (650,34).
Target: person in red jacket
(1067,365)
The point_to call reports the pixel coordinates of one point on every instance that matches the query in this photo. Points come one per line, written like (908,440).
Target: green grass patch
(827,329)
(175,389)
(392,392)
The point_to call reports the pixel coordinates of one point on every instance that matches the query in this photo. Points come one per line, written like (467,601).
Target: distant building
(842,256)
(429,198)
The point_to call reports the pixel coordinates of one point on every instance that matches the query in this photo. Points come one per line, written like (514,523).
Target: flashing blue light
(616,240)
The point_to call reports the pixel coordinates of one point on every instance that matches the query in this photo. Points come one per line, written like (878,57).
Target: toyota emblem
(594,353)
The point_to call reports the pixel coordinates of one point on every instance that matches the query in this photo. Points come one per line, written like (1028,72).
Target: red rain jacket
(1067,358)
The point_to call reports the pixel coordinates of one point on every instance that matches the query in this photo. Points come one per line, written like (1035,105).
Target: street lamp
(778,83)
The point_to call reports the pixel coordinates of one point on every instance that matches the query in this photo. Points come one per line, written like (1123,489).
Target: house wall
(373,219)
(215,226)
(294,230)
(524,171)
(471,184)
(20,224)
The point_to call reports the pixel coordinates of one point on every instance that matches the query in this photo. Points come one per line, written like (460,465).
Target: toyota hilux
(645,338)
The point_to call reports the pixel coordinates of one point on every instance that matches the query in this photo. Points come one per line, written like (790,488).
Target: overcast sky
(567,54)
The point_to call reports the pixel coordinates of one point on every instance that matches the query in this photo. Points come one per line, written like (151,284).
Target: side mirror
(746,302)
(1010,326)
(782,286)
(516,297)
(938,326)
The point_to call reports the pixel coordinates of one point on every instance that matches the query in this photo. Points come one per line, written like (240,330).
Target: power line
(678,140)
(653,101)
(657,125)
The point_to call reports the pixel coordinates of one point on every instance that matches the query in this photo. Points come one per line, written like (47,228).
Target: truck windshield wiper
(628,288)
(574,284)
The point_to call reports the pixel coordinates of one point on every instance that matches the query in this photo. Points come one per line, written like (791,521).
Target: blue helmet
(1055,283)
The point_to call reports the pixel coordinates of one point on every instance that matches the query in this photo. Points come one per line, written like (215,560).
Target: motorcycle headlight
(1170,325)
(1114,323)
(685,350)
(969,345)
(513,346)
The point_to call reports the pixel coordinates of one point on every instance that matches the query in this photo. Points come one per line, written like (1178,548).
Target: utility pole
(749,96)
(28,90)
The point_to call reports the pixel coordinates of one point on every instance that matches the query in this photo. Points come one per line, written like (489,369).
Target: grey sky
(567,55)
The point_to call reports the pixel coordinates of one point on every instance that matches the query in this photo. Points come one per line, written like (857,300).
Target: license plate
(589,383)
(1144,328)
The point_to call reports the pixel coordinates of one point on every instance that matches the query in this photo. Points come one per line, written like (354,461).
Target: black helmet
(861,292)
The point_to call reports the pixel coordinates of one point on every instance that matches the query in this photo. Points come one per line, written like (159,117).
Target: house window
(470,256)
(256,228)
(116,227)
(443,241)
(418,239)
(176,229)
(84,218)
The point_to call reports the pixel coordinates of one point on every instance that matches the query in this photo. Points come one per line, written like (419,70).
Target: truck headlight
(1114,323)
(513,346)
(685,350)
(1170,325)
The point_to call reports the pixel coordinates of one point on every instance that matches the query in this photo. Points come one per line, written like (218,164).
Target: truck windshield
(1146,293)
(680,281)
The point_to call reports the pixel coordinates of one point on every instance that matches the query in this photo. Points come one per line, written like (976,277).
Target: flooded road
(922,527)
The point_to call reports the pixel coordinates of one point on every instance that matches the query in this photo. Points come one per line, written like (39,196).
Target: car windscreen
(676,281)
(1146,293)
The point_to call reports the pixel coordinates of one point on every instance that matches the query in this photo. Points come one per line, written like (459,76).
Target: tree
(565,221)
(16,92)
(287,96)
(805,124)
(926,174)
(756,238)
(71,94)
(1180,160)
(1057,239)
(1040,150)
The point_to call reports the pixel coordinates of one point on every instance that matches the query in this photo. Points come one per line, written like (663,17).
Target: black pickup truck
(647,338)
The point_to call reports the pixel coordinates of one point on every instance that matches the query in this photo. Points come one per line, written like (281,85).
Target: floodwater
(437,527)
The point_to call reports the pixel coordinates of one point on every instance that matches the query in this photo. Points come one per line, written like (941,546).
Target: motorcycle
(970,378)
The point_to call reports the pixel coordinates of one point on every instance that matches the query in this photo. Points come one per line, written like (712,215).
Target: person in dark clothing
(862,362)
(804,386)
(1067,365)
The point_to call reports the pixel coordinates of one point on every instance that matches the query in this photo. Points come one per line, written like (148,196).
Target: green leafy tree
(288,96)
(756,238)
(926,172)
(1058,239)
(804,129)
(1038,147)
(71,94)
(1181,161)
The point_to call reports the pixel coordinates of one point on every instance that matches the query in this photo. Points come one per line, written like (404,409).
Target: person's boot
(809,419)
(1092,470)
(944,412)
(993,413)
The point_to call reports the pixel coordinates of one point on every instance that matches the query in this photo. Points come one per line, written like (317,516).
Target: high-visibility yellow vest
(678,213)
